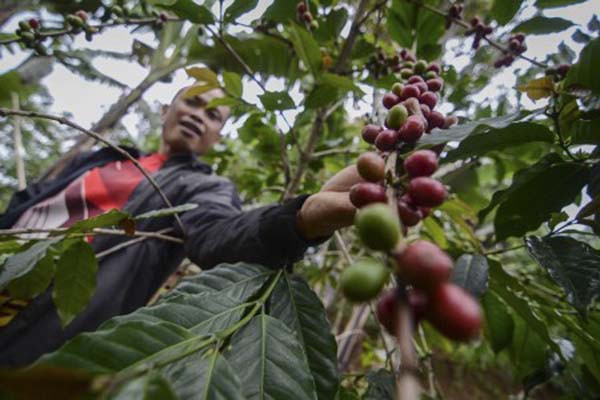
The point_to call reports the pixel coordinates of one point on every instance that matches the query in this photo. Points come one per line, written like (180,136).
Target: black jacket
(217,231)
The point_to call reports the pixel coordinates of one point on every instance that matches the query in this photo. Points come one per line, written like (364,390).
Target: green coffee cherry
(420,67)
(118,11)
(377,227)
(363,280)
(408,64)
(406,73)
(430,75)
(27,37)
(74,21)
(397,88)
(24,26)
(396,116)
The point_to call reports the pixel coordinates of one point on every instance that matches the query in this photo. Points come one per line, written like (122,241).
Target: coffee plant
(473,266)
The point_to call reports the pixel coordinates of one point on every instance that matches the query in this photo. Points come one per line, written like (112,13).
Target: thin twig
(33,114)
(464,24)
(128,243)
(500,251)
(95,231)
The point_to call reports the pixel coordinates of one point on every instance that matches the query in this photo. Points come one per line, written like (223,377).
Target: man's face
(189,127)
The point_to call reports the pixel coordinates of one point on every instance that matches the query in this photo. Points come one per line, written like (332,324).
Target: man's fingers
(325,212)
(343,180)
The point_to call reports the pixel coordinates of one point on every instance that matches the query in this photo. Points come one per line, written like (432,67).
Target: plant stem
(33,114)
(95,231)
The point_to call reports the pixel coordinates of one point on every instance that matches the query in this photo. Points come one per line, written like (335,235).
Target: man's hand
(330,209)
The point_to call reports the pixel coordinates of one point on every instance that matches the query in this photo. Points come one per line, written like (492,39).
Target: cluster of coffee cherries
(480,30)
(29,33)
(516,47)
(303,14)
(559,73)
(454,12)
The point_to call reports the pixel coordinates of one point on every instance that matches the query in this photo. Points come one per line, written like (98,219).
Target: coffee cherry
(369,133)
(425,110)
(514,44)
(475,21)
(415,79)
(519,36)
(435,84)
(408,213)
(429,98)
(412,129)
(436,120)
(34,23)
(396,117)
(430,75)
(406,73)
(487,30)
(163,17)
(363,280)
(307,17)
(314,25)
(27,37)
(389,100)
(364,193)
(450,121)
(24,26)
(301,8)
(408,64)
(454,313)
(377,227)
(422,86)
(563,70)
(82,14)
(420,67)
(434,68)
(409,91)
(371,167)
(423,265)
(74,21)
(425,211)
(387,307)
(386,140)
(427,192)
(421,163)
(397,88)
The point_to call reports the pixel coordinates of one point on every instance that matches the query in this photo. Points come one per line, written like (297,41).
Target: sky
(88,101)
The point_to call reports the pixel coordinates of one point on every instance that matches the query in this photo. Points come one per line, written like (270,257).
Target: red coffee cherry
(365,193)
(408,213)
(370,132)
(371,167)
(427,192)
(415,79)
(301,8)
(410,91)
(450,121)
(435,84)
(421,163)
(412,129)
(519,36)
(422,86)
(425,110)
(454,313)
(429,98)
(390,100)
(425,211)
(562,69)
(387,307)
(34,23)
(434,67)
(307,17)
(387,139)
(436,120)
(423,265)
(82,14)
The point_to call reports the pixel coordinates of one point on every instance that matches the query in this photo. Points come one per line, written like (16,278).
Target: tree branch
(93,232)
(32,114)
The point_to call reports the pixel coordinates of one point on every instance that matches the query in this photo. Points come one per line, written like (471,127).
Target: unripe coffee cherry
(396,117)
(397,88)
(363,280)
(390,100)
(386,140)
(429,98)
(430,75)
(454,313)
(422,86)
(415,79)
(24,26)
(435,84)
(82,14)
(371,167)
(421,163)
(412,129)
(387,307)
(406,73)
(369,132)
(427,192)
(408,213)
(410,91)
(420,67)
(74,21)
(314,25)
(436,120)
(377,227)
(365,193)
(434,67)
(423,265)
(408,64)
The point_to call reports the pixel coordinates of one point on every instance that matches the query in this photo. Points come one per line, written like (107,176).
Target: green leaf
(35,281)
(306,48)
(532,197)
(187,9)
(573,265)
(401,21)
(203,75)
(498,139)
(233,83)
(504,10)
(528,351)
(543,25)
(321,95)
(146,387)
(270,361)
(471,273)
(556,3)
(339,82)
(277,101)
(23,262)
(294,303)
(499,324)
(165,212)
(238,8)
(280,11)
(508,289)
(110,218)
(461,132)
(382,385)
(331,28)
(585,132)
(74,280)
(538,88)
(584,72)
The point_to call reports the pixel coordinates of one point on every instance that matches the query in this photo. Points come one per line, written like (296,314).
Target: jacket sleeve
(218,231)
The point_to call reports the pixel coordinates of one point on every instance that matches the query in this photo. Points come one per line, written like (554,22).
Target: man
(217,231)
